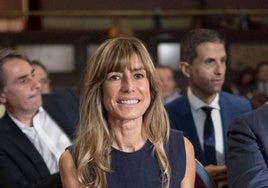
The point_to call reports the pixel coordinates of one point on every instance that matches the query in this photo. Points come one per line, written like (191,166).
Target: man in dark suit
(35,130)
(247,151)
(203,62)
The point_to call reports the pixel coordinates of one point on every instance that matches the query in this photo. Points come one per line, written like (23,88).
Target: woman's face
(126,94)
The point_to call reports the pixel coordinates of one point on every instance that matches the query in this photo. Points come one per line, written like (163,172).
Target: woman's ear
(185,68)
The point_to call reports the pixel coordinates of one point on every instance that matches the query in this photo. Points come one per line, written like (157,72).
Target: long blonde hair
(92,145)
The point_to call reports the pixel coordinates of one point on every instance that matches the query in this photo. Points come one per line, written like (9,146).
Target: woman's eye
(139,75)
(114,77)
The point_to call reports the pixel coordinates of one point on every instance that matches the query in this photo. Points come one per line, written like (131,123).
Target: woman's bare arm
(189,177)
(68,172)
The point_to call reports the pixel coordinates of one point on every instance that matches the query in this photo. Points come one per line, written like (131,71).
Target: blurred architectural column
(12,22)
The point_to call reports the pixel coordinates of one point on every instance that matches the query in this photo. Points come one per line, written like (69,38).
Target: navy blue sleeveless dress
(140,169)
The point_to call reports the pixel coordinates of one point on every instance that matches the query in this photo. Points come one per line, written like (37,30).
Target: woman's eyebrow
(137,69)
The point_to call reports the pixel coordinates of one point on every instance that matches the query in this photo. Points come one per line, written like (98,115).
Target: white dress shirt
(199,120)
(47,137)
(172,97)
(263,87)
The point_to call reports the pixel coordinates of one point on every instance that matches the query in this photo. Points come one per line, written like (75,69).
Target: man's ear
(185,68)
(3,98)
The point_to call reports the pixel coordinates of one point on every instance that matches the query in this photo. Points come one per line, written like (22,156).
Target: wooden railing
(105,13)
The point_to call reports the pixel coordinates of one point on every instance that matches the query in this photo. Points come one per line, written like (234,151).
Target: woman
(123,139)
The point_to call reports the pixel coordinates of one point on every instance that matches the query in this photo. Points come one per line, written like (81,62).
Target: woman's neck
(128,136)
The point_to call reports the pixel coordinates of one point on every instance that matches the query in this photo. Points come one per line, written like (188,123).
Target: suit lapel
(226,115)
(24,146)
(56,111)
(189,129)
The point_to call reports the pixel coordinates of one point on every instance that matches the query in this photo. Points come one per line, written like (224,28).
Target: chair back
(203,179)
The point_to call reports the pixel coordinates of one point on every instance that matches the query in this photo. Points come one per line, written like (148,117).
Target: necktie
(209,138)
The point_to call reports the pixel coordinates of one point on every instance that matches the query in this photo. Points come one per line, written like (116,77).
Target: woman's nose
(127,85)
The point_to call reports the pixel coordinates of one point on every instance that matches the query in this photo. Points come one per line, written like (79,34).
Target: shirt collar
(197,103)
(23,126)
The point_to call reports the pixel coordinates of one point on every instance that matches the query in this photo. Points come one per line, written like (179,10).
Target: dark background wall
(86,23)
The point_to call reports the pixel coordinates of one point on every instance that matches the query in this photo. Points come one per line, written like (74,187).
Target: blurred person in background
(260,89)
(42,75)
(244,82)
(262,77)
(169,85)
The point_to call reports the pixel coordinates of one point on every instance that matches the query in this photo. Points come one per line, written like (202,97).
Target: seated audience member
(42,75)
(169,90)
(244,82)
(258,99)
(260,89)
(205,112)
(262,77)
(247,154)
(34,131)
(124,138)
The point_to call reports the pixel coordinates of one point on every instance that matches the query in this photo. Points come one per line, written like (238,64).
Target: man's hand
(217,172)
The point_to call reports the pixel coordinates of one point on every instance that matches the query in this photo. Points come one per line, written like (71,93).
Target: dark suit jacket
(247,153)
(181,117)
(21,165)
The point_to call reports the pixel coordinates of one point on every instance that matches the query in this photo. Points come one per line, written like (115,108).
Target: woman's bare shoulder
(66,160)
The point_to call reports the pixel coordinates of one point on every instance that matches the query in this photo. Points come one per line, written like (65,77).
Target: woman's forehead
(130,62)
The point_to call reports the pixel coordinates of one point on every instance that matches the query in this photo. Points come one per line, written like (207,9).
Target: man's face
(207,71)
(42,77)
(262,74)
(21,93)
(168,81)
